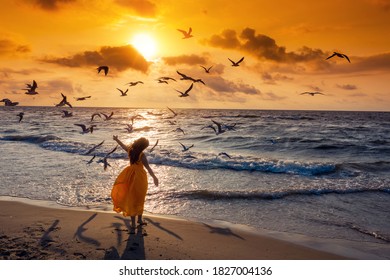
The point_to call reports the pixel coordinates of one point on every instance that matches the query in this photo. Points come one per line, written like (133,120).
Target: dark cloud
(120,58)
(142,7)
(185,59)
(10,47)
(272,96)
(220,84)
(50,5)
(347,87)
(262,46)
(273,79)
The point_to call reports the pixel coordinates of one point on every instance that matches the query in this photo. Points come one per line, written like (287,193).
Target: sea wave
(263,195)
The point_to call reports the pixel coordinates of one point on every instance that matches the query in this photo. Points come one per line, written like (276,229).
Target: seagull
(207,70)
(173,112)
(67,114)
(94,115)
(217,130)
(341,55)
(31,88)
(185,94)
(104,160)
(166,79)
(123,93)
(91,160)
(104,68)
(236,63)
(20,115)
(151,150)
(129,128)
(108,117)
(185,77)
(312,93)
(186,34)
(85,129)
(82,98)
(179,130)
(64,102)
(224,154)
(186,148)
(105,163)
(162,81)
(134,83)
(94,148)
(8,102)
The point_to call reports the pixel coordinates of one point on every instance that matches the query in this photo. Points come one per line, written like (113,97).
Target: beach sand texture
(41,233)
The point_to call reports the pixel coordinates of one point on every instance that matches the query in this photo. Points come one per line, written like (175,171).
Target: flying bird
(341,55)
(207,70)
(8,102)
(129,128)
(104,68)
(173,112)
(108,117)
(123,93)
(235,64)
(134,83)
(166,79)
(67,114)
(64,102)
(85,128)
(224,154)
(20,115)
(312,93)
(82,98)
(31,88)
(151,150)
(186,148)
(91,160)
(186,34)
(179,130)
(94,148)
(105,163)
(94,115)
(162,81)
(185,94)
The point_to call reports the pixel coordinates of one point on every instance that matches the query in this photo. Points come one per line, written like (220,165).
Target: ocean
(318,174)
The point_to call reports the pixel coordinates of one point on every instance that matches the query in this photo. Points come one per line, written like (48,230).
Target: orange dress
(129,190)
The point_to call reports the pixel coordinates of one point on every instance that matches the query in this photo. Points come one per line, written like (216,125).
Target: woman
(130,188)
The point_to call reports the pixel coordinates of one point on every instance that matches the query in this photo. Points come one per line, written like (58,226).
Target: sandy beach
(41,233)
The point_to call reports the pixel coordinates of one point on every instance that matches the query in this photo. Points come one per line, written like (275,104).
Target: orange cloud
(141,7)
(220,84)
(120,58)
(11,47)
(185,59)
(50,5)
(262,46)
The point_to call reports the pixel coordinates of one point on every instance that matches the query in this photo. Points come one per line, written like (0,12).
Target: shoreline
(53,231)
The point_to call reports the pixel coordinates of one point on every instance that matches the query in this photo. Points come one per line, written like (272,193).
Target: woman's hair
(136,149)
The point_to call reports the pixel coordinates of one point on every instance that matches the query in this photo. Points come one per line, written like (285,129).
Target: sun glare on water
(145,45)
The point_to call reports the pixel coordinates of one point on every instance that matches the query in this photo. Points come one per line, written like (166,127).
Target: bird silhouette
(207,70)
(235,64)
(8,102)
(185,94)
(123,93)
(186,148)
(186,34)
(82,98)
(341,55)
(134,83)
(312,93)
(108,117)
(31,88)
(85,128)
(64,102)
(104,68)
(20,115)
(67,114)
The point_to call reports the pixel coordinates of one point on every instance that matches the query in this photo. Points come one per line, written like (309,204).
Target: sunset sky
(60,43)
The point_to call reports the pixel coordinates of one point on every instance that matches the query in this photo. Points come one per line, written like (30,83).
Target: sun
(145,45)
